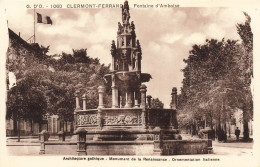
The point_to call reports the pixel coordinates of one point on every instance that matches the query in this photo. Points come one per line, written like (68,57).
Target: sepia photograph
(128,83)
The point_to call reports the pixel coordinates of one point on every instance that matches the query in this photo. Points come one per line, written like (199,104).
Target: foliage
(156,103)
(74,72)
(245,33)
(217,79)
(48,85)
(26,100)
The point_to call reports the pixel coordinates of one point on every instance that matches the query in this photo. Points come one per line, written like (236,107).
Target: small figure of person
(237,133)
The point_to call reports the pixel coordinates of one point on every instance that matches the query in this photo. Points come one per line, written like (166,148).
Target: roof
(33,47)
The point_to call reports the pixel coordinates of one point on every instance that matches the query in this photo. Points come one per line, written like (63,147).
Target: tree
(73,72)
(80,56)
(49,85)
(216,81)
(25,102)
(19,59)
(156,103)
(245,33)
(44,50)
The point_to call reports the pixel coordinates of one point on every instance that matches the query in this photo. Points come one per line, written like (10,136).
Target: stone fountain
(130,126)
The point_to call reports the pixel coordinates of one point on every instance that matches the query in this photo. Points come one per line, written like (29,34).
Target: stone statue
(132,26)
(125,13)
(113,48)
(120,27)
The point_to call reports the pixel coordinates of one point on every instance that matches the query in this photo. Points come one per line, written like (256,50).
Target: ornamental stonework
(122,120)
(90,119)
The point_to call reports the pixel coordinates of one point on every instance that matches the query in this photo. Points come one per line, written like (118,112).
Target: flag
(43,19)
(12,80)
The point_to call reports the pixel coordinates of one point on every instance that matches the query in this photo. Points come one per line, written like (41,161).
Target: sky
(166,36)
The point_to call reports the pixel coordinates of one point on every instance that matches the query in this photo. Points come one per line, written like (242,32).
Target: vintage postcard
(129,83)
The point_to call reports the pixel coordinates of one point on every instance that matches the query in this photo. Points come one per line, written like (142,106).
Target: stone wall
(120,148)
(162,118)
(184,147)
(140,148)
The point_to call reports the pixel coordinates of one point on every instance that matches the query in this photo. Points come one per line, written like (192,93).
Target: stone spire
(126,77)
(126,52)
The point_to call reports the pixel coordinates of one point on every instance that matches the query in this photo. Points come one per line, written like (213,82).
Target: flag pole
(34,25)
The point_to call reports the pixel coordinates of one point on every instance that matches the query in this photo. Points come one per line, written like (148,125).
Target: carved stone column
(173,121)
(84,101)
(174,98)
(119,99)
(81,142)
(43,136)
(123,99)
(99,118)
(114,97)
(114,92)
(158,142)
(133,98)
(142,105)
(136,97)
(101,90)
(77,100)
(76,109)
(129,99)
(143,95)
(75,121)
